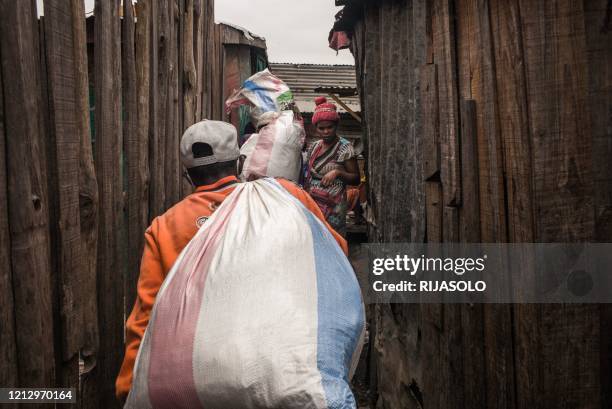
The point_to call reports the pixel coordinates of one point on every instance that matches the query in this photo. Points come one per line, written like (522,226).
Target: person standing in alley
(209,152)
(332,165)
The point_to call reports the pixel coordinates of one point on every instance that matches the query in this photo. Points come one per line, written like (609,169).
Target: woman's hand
(329,177)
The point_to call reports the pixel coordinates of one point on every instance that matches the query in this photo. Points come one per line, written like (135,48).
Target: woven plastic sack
(275,151)
(261,310)
(263,92)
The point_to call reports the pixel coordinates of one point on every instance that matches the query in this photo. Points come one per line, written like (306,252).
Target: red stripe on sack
(260,157)
(171,384)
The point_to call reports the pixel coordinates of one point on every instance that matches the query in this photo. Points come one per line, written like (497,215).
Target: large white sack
(261,310)
(275,151)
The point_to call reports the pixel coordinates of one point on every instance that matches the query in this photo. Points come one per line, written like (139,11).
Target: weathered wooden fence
(488,121)
(72,215)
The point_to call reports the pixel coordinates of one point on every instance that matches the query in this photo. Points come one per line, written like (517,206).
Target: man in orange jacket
(209,152)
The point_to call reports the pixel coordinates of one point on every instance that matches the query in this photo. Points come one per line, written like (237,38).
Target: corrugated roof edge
(245,31)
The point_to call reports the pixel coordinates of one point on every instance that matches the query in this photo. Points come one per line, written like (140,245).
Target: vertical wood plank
(433,195)
(139,189)
(171,154)
(108,165)
(217,75)
(198,52)
(384,137)
(472,318)
(88,212)
(27,205)
(419,10)
(133,148)
(8,347)
(514,131)
(157,186)
(445,58)
(487,328)
(431,314)
(554,44)
(372,123)
(190,78)
(485,93)
(154,109)
(598,26)
(190,83)
(206,68)
(470,207)
(431,131)
(178,102)
(514,119)
(65,141)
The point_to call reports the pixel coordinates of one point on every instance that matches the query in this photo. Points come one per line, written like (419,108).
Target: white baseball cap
(220,136)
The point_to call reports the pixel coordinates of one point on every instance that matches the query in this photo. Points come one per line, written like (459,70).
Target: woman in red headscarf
(332,166)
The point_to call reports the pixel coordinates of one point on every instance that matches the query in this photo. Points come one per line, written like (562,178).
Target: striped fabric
(261,310)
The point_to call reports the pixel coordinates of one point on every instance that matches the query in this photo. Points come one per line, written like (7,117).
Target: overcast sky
(295,30)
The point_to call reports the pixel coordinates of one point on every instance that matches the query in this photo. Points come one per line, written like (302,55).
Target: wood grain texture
(199,49)
(27,198)
(554,46)
(598,32)
(443,27)
(157,151)
(138,206)
(598,35)
(8,347)
(154,99)
(431,130)
(470,206)
(108,170)
(88,212)
(64,141)
(190,76)
(133,147)
(174,111)
(472,318)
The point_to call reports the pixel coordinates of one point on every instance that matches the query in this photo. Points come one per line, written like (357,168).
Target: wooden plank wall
(73,210)
(27,199)
(513,118)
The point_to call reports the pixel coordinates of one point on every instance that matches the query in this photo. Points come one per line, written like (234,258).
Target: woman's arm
(350,174)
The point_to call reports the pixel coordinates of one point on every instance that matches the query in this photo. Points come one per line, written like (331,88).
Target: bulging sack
(275,151)
(264,93)
(261,310)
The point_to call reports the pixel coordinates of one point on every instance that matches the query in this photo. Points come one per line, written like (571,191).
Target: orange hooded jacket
(164,241)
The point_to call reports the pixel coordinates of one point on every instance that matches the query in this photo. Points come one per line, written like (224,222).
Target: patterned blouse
(332,198)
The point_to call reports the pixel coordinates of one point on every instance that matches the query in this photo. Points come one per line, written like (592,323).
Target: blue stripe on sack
(340,312)
(266,103)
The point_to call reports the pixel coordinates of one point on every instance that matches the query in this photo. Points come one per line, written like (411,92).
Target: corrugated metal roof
(248,34)
(303,79)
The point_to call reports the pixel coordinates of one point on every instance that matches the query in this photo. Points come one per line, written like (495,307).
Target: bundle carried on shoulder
(261,310)
(265,93)
(275,150)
